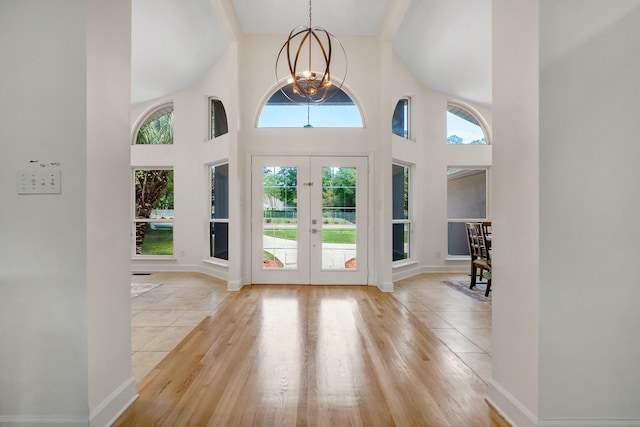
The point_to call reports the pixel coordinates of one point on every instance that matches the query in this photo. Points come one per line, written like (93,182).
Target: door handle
(314,230)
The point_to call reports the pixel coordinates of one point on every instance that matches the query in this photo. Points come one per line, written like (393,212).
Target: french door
(309,220)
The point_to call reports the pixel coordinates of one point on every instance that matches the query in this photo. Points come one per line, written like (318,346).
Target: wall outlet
(46,181)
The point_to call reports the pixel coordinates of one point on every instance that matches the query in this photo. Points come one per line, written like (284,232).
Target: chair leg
(473,277)
(486,293)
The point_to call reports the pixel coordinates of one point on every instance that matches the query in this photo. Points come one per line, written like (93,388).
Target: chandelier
(309,51)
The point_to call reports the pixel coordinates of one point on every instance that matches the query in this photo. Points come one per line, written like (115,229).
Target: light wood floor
(311,356)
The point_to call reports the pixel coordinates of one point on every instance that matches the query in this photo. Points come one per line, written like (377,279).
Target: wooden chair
(469,226)
(486,228)
(480,254)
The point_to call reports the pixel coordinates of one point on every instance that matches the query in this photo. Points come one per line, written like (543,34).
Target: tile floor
(162,317)
(462,323)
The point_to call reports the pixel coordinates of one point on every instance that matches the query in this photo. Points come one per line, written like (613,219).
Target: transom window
(218,124)
(157,128)
(339,111)
(400,120)
(463,127)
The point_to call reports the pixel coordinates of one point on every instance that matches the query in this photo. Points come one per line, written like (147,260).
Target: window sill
(403,263)
(458,258)
(154,258)
(224,264)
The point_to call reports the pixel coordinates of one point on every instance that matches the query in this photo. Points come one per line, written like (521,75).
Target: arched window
(463,127)
(157,127)
(337,112)
(218,124)
(400,120)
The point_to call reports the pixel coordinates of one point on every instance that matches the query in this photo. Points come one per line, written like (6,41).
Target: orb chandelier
(309,51)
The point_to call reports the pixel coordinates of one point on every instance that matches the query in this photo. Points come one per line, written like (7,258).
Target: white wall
(367,59)
(43,307)
(240,81)
(514,388)
(589,204)
(430,155)
(565,199)
(54,291)
(376,78)
(108,207)
(189,156)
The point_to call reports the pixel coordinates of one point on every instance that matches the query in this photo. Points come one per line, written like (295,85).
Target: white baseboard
(41,421)
(590,422)
(234,285)
(509,407)
(105,414)
(217,271)
(404,273)
(108,411)
(386,287)
(444,269)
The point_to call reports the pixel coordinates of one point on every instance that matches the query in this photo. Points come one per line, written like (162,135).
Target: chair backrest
(477,241)
(472,252)
(486,228)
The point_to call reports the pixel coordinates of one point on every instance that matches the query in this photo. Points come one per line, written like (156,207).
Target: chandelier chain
(309,13)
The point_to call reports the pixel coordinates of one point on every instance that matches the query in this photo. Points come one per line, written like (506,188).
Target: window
(153,217)
(466,202)
(218,124)
(463,127)
(401,223)
(400,120)
(157,128)
(339,111)
(219,220)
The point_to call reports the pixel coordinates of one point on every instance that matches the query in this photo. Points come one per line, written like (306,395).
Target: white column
(111,387)
(516,206)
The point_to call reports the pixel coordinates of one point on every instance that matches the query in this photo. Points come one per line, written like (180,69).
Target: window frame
(477,117)
(487,171)
(145,119)
(136,220)
(284,99)
(406,222)
(218,220)
(211,114)
(407,118)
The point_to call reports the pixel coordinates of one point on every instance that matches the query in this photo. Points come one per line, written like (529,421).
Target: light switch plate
(45,181)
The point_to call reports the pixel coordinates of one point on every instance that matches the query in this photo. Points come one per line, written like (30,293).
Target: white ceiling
(447,46)
(445,43)
(347,17)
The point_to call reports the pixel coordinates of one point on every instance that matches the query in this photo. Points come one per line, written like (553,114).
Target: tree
(287,181)
(339,191)
(271,190)
(454,139)
(151,185)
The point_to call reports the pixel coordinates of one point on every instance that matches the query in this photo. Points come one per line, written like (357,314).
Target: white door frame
(306,267)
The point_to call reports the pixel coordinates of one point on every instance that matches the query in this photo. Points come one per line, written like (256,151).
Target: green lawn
(328,236)
(158,242)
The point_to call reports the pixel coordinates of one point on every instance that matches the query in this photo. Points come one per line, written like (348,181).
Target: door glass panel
(338,218)
(280,217)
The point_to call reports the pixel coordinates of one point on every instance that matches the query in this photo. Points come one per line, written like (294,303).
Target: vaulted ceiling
(445,44)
